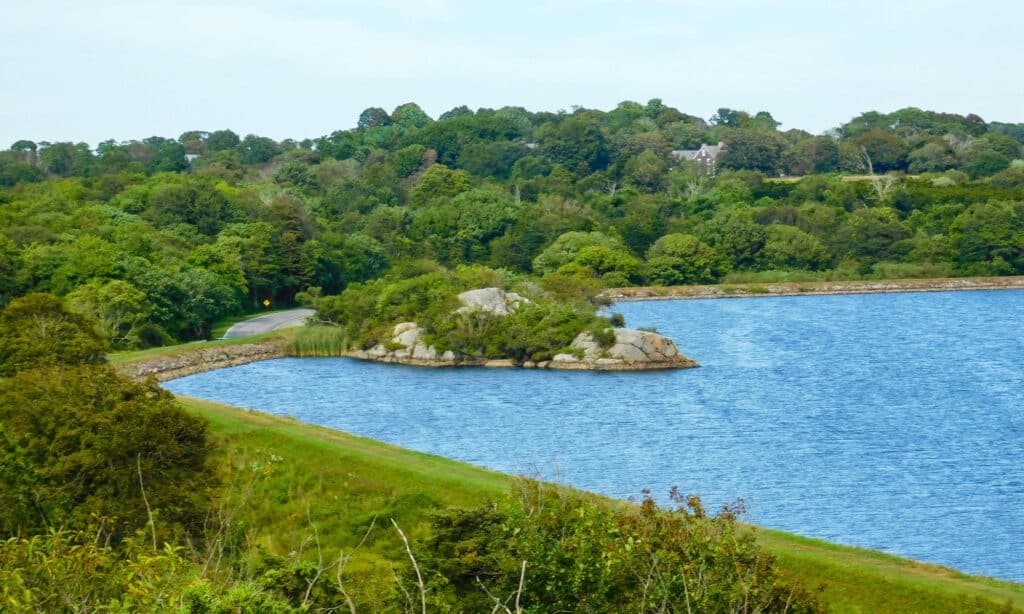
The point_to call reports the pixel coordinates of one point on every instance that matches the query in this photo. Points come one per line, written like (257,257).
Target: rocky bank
(198,359)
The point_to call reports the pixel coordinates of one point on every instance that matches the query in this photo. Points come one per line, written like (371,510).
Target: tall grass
(318,341)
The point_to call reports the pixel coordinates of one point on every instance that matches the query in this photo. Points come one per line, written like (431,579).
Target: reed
(318,341)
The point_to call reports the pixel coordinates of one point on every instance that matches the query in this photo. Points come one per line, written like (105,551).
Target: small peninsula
(433,320)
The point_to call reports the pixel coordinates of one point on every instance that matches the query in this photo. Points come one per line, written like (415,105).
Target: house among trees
(707,154)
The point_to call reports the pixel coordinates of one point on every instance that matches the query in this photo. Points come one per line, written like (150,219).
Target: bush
(584,554)
(81,445)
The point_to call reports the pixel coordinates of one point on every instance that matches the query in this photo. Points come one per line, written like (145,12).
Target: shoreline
(207,358)
(812,288)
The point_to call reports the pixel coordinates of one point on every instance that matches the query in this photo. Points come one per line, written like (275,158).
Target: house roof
(706,152)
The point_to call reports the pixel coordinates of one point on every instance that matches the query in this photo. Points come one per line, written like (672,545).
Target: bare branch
(320,560)
(519,591)
(415,566)
(149,512)
(343,561)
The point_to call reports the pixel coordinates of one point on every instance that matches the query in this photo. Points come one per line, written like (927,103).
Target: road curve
(269,322)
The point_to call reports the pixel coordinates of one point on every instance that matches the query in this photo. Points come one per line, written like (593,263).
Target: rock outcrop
(633,350)
(491,300)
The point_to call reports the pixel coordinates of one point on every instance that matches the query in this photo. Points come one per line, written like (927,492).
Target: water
(891,422)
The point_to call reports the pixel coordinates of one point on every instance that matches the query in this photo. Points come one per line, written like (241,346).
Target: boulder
(633,350)
(406,333)
(491,300)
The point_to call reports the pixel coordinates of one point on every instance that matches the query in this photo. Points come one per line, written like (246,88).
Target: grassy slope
(340,483)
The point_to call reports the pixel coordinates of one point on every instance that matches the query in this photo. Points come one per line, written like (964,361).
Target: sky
(90,70)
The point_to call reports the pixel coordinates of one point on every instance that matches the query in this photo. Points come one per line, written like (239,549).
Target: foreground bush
(81,445)
(560,551)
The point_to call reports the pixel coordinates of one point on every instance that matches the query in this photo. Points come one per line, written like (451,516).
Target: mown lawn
(307,487)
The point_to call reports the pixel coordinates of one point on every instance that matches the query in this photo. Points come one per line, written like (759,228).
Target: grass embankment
(316,477)
(169,351)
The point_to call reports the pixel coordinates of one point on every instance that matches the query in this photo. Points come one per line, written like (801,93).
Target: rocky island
(623,349)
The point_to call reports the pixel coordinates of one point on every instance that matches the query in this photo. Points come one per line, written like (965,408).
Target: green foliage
(556,550)
(567,246)
(83,445)
(788,247)
(677,259)
(253,219)
(118,308)
(64,571)
(36,330)
(365,315)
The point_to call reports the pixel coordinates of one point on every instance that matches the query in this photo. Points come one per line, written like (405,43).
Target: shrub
(555,550)
(80,444)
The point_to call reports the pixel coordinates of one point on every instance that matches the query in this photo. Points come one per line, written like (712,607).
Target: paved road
(269,322)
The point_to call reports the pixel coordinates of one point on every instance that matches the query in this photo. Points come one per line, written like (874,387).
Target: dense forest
(159,238)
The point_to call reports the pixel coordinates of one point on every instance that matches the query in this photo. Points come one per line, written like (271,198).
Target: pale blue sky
(86,70)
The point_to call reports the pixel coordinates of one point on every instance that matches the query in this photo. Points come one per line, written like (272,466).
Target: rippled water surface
(893,421)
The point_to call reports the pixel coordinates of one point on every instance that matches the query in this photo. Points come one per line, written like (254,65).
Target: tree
(438,182)
(736,237)
(410,115)
(36,330)
(373,117)
(9,266)
(749,149)
(613,266)
(117,306)
(567,246)
(677,259)
(454,112)
(169,157)
(988,237)
(886,151)
(933,156)
(647,171)
(983,160)
(95,448)
(870,235)
(258,149)
(66,159)
(788,247)
(577,144)
(220,140)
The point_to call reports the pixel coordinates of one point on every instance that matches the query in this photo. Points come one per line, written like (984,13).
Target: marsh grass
(317,341)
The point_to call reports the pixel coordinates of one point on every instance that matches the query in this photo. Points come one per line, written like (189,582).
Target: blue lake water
(892,421)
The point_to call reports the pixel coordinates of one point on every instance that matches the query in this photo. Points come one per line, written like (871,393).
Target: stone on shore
(633,350)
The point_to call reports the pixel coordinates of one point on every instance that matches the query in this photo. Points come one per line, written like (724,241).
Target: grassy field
(304,485)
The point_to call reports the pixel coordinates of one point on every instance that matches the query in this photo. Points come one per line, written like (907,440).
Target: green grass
(312,476)
(859,580)
(121,358)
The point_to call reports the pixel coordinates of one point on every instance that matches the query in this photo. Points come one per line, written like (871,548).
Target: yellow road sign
(266,302)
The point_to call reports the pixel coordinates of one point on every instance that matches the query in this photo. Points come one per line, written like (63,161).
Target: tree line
(158,239)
